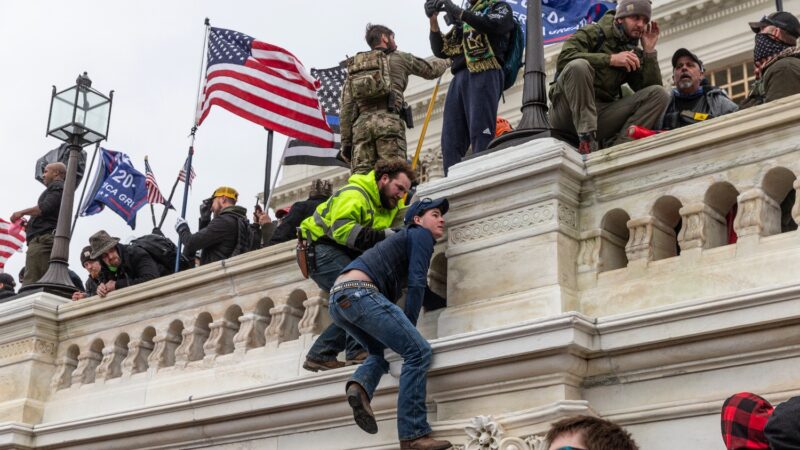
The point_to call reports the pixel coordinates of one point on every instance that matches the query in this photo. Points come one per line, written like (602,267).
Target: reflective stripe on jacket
(353,210)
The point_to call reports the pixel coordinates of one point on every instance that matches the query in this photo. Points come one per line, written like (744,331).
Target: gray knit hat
(101,242)
(627,8)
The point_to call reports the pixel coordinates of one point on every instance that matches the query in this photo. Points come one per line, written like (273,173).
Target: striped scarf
(473,44)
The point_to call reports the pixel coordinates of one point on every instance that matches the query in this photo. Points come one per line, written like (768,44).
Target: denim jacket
(399,260)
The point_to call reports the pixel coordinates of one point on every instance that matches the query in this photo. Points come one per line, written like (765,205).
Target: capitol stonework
(602,286)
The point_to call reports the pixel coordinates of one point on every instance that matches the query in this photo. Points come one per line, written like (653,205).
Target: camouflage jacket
(596,43)
(778,77)
(401,66)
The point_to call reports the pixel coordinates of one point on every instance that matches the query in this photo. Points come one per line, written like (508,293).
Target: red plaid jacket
(744,416)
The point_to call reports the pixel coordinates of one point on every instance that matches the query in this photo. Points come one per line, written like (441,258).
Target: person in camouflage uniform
(374,130)
(593,65)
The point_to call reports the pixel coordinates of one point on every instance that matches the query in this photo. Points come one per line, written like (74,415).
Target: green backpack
(368,75)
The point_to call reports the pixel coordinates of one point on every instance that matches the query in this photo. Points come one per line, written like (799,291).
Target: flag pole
(83,192)
(274,182)
(169,202)
(424,130)
(425,124)
(188,168)
(268,170)
(152,209)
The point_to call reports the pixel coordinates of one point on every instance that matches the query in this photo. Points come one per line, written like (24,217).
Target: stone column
(284,324)
(757,215)
(316,317)
(702,227)
(220,341)
(191,348)
(86,371)
(29,336)
(251,332)
(650,240)
(508,209)
(111,365)
(136,361)
(163,354)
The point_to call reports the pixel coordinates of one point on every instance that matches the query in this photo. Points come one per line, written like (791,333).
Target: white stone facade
(566,295)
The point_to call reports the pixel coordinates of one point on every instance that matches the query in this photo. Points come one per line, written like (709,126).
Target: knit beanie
(744,416)
(627,8)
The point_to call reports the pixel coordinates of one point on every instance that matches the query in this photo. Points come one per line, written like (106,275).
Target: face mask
(767,46)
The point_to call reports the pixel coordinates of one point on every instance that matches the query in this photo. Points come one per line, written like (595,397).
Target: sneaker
(425,443)
(362,412)
(314,365)
(587,143)
(358,359)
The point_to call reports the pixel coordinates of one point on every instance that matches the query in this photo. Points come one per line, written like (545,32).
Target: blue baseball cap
(419,207)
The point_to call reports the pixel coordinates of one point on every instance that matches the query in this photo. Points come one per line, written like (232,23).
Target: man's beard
(685,83)
(386,202)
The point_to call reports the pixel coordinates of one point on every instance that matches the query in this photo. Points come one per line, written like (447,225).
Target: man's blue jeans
(377,324)
(329,263)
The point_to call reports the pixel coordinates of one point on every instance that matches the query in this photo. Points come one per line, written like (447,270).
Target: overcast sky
(148,52)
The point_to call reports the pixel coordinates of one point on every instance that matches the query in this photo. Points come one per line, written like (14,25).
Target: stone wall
(601,286)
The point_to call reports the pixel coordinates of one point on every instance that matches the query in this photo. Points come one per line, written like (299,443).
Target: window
(734,79)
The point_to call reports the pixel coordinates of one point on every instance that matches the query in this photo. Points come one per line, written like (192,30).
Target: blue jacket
(400,260)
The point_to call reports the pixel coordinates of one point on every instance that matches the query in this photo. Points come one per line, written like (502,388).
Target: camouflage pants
(377,135)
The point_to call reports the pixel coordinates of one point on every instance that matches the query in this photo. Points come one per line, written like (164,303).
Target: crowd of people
(608,80)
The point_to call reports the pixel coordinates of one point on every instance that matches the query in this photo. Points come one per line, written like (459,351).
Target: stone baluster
(136,361)
(702,227)
(111,365)
(650,239)
(163,354)
(316,317)
(589,251)
(63,376)
(796,207)
(284,324)
(220,341)
(757,215)
(251,332)
(86,369)
(191,348)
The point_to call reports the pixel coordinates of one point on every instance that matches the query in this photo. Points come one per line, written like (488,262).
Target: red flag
(264,84)
(12,237)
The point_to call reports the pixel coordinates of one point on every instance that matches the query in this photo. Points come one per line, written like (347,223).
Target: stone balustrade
(609,285)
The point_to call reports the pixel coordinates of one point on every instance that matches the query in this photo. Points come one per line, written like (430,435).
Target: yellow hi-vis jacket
(351,210)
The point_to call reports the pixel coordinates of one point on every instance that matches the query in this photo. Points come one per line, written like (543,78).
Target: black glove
(451,8)
(430,8)
(205,213)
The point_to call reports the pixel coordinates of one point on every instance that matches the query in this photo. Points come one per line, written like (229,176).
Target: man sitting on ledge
(362,302)
(123,265)
(592,67)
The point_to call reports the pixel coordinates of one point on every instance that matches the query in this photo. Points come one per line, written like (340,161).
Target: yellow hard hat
(225,191)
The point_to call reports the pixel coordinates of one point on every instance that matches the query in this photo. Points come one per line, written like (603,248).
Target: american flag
(153,192)
(182,173)
(12,237)
(330,93)
(264,84)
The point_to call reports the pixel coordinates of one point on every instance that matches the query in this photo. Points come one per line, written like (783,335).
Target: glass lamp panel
(62,109)
(97,118)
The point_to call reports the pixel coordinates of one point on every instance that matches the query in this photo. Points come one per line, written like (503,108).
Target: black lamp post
(534,123)
(79,116)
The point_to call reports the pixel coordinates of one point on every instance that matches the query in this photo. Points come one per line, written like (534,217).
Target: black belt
(354,284)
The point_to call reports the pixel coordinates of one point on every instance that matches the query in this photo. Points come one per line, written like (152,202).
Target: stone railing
(569,282)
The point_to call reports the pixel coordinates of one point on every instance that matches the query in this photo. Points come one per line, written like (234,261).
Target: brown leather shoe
(315,366)
(362,413)
(425,443)
(358,359)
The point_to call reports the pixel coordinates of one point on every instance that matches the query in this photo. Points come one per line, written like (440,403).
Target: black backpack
(163,251)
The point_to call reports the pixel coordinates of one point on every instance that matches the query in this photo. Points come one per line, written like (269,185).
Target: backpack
(513,60)
(163,252)
(368,75)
